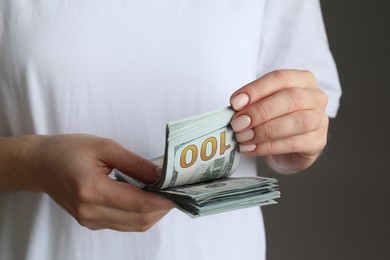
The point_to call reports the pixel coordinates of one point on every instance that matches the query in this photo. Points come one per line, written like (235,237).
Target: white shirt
(122,69)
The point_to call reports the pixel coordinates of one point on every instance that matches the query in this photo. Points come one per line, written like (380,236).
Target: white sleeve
(294,37)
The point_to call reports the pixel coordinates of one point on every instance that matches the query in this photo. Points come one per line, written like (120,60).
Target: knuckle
(94,228)
(140,206)
(143,228)
(261,112)
(267,148)
(139,163)
(307,121)
(281,76)
(258,90)
(324,140)
(323,143)
(146,221)
(82,222)
(325,123)
(85,223)
(105,143)
(310,77)
(81,213)
(85,193)
(324,98)
(293,143)
(296,98)
(269,131)
(78,213)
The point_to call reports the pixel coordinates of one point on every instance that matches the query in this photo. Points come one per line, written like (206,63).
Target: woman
(86,87)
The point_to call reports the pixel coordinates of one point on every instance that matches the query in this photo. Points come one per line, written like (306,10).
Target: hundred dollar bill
(223,195)
(198,149)
(200,154)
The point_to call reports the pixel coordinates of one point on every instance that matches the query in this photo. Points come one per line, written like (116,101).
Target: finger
(110,193)
(276,105)
(97,217)
(290,163)
(270,84)
(296,123)
(309,143)
(116,156)
(93,225)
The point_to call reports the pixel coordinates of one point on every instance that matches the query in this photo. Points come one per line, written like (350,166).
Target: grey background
(340,208)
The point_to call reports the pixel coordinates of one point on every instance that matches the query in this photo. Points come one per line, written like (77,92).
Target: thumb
(131,164)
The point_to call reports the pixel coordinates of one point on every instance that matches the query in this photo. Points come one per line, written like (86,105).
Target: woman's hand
(282,116)
(73,170)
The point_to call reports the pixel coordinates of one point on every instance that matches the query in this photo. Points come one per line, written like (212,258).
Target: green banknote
(222,195)
(201,154)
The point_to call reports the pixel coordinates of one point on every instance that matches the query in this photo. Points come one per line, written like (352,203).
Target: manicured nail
(245,136)
(247,147)
(158,171)
(240,123)
(239,101)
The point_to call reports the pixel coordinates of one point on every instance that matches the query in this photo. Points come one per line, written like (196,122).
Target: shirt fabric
(122,69)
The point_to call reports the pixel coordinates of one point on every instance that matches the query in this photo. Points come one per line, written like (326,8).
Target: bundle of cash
(222,195)
(200,155)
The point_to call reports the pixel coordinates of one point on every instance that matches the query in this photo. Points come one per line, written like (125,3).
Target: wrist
(18,161)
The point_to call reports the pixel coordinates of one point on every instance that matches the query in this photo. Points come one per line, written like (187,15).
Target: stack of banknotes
(200,156)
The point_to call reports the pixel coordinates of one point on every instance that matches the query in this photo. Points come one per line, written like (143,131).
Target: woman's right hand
(73,170)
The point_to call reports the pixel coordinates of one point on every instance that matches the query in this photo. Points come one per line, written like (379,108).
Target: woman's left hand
(282,116)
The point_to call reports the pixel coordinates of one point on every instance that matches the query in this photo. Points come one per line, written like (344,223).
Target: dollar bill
(198,149)
(200,154)
(223,195)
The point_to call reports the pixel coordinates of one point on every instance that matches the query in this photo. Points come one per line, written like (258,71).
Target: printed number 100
(204,155)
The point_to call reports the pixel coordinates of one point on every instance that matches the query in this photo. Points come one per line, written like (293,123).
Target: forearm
(16,162)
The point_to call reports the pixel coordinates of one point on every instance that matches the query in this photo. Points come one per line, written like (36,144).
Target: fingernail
(158,171)
(240,123)
(247,147)
(245,136)
(239,101)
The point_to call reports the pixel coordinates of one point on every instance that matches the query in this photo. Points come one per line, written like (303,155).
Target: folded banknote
(201,154)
